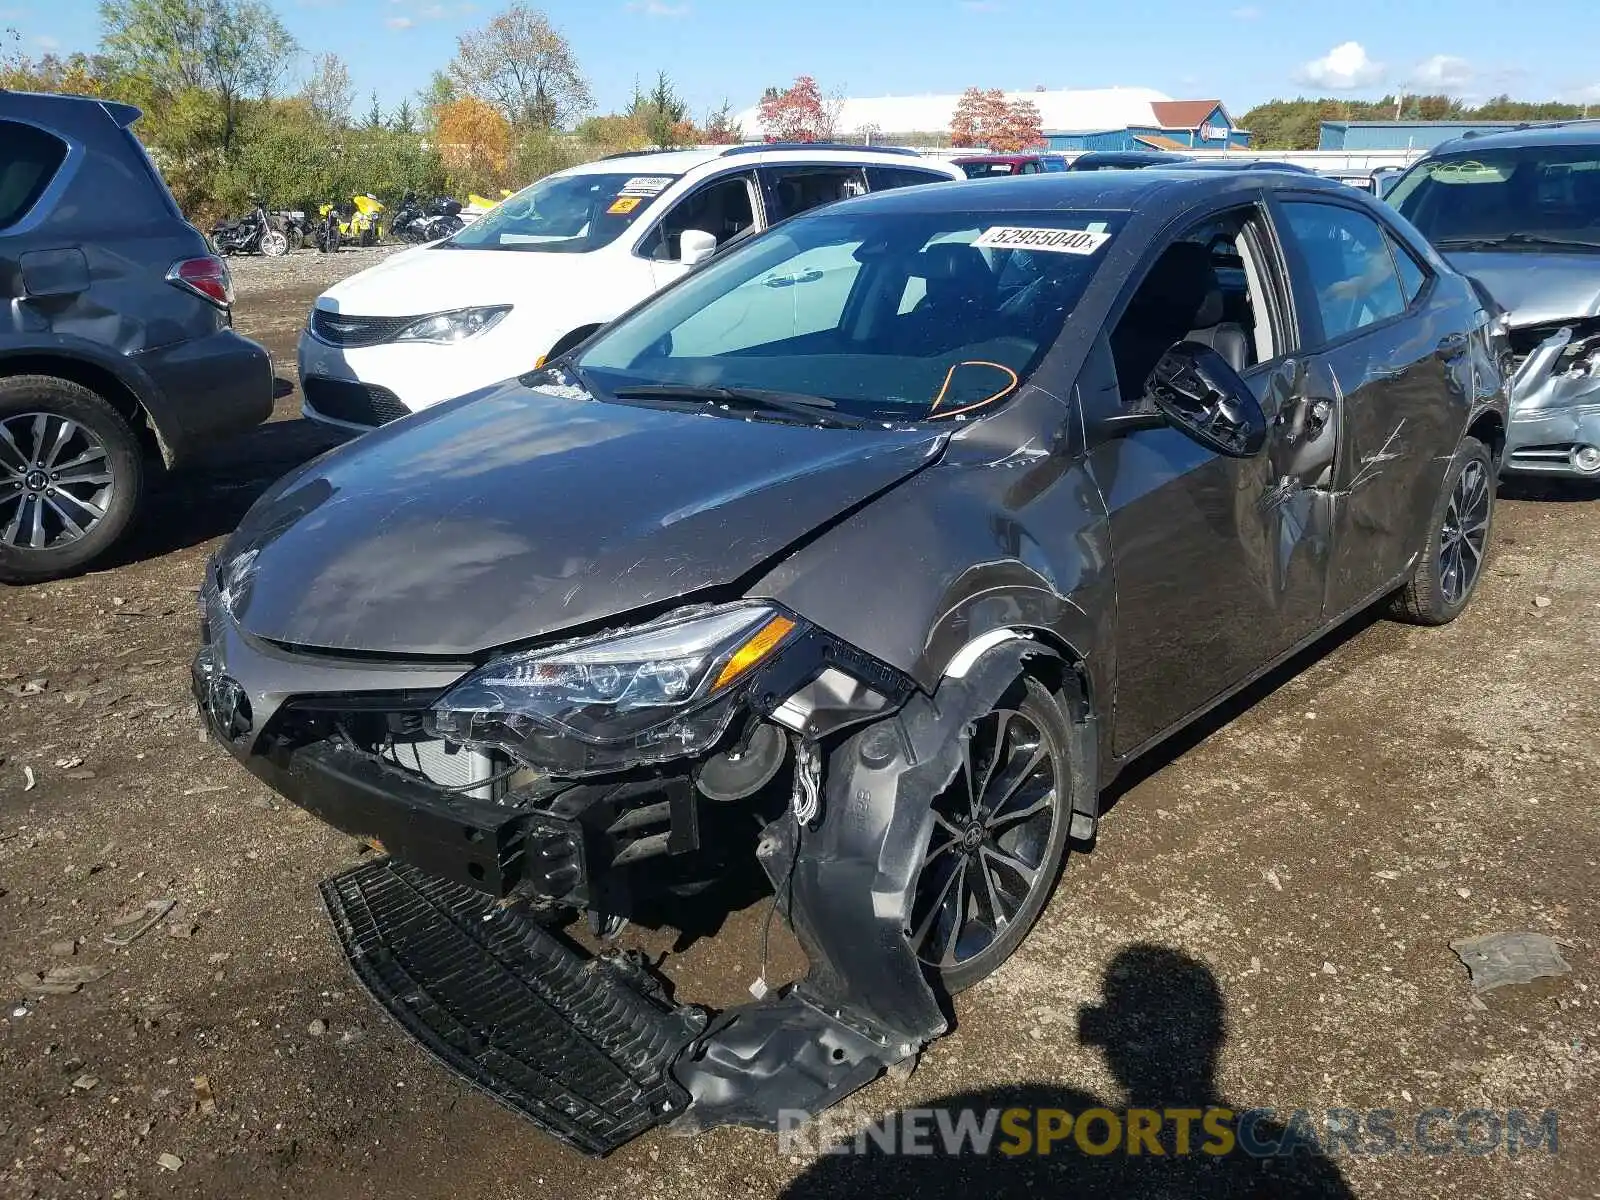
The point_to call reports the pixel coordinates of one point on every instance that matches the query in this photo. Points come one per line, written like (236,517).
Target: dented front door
(1220,563)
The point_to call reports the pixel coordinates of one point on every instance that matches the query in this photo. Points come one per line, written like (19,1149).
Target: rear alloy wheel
(1452,563)
(999,835)
(274,244)
(71,472)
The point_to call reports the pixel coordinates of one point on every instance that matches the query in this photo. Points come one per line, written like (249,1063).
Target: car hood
(515,513)
(1536,287)
(431,279)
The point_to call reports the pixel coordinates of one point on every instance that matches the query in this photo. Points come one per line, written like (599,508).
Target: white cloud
(48,44)
(399,22)
(1443,72)
(1344,68)
(658,8)
(1246,12)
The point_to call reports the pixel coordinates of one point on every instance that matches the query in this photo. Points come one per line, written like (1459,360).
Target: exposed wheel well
(570,340)
(99,381)
(1491,431)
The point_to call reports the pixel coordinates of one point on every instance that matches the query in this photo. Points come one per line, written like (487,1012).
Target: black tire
(1447,575)
(103,435)
(1029,723)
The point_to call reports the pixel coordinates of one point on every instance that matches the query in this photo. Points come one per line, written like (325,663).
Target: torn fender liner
(846,887)
(565,1041)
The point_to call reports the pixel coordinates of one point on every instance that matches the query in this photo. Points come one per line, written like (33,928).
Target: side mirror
(1196,390)
(695,246)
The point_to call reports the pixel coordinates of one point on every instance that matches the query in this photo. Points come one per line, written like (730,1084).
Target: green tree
(374,118)
(519,63)
(328,91)
(237,50)
(433,98)
(405,118)
(663,115)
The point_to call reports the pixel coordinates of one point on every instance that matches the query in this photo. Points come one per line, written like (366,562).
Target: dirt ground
(1305,858)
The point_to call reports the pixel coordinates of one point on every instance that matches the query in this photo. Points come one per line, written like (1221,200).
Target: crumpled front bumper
(1554,428)
(593,1050)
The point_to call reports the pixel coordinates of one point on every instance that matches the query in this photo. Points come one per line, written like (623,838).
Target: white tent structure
(1063,111)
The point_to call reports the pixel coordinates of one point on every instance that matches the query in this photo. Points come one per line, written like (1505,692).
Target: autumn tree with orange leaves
(474,139)
(799,114)
(988,119)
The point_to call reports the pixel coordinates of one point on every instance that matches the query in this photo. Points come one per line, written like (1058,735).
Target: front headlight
(447,328)
(660,691)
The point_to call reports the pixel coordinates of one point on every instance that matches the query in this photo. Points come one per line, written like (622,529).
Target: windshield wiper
(1514,240)
(818,410)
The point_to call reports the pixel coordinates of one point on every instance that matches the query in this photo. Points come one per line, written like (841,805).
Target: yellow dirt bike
(350,222)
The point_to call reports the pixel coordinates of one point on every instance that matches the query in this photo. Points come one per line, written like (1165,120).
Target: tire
(274,244)
(106,468)
(1447,575)
(954,943)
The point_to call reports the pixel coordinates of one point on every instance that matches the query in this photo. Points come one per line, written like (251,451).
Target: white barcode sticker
(1057,241)
(646,185)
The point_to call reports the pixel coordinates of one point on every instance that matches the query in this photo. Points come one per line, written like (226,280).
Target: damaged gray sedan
(1519,212)
(858,563)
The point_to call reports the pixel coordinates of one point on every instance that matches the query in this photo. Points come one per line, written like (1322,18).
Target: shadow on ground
(208,497)
(1161,1026)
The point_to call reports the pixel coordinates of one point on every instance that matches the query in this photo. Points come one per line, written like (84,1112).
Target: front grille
(358,403)
(341,329)
(573,1044)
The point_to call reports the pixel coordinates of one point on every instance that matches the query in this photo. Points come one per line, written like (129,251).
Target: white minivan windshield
(565,214)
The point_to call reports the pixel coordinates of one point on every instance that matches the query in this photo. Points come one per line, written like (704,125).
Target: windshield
(1528,195)
(565,214)
(893,316)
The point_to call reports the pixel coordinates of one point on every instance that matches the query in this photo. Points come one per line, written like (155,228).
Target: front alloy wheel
(999,833)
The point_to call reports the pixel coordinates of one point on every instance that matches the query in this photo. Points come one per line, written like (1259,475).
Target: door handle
(1452,345)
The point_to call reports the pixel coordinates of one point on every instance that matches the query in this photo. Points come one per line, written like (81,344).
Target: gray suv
(1519,211)
(116,348)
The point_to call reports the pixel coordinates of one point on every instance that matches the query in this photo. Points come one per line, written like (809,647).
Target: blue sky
(1243,51)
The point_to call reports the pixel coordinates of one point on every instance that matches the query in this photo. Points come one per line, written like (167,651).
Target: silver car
(1519,211)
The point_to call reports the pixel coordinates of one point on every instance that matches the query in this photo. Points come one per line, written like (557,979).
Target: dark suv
(115,340)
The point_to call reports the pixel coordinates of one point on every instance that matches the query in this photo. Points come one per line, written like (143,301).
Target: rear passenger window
(29,160)
(1348,264)
(1412,277)
(884,179)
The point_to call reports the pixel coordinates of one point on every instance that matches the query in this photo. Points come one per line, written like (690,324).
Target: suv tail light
(206,276)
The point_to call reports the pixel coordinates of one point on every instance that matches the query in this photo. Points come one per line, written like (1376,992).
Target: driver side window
(1211,285)
(724,208)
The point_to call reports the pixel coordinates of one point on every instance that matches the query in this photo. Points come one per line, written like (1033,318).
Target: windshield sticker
(646,185)
(625,204)
(1058,241)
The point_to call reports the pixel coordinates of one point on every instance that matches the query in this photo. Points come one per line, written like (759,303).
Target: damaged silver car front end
(1555,401)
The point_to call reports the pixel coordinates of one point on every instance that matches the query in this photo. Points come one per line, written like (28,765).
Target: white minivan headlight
(458,325)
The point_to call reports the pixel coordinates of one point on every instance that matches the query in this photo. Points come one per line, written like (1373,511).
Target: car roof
(681,162)
(1551,133)
(996,158)
(1107,190)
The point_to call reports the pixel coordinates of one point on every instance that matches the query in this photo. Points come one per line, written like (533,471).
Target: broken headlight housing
(649,694)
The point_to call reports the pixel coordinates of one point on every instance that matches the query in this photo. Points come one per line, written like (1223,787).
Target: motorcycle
(295,225)
(253,234)
(353,221)
(417,222)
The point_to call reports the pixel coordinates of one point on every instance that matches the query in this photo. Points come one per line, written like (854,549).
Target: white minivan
(549,266)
